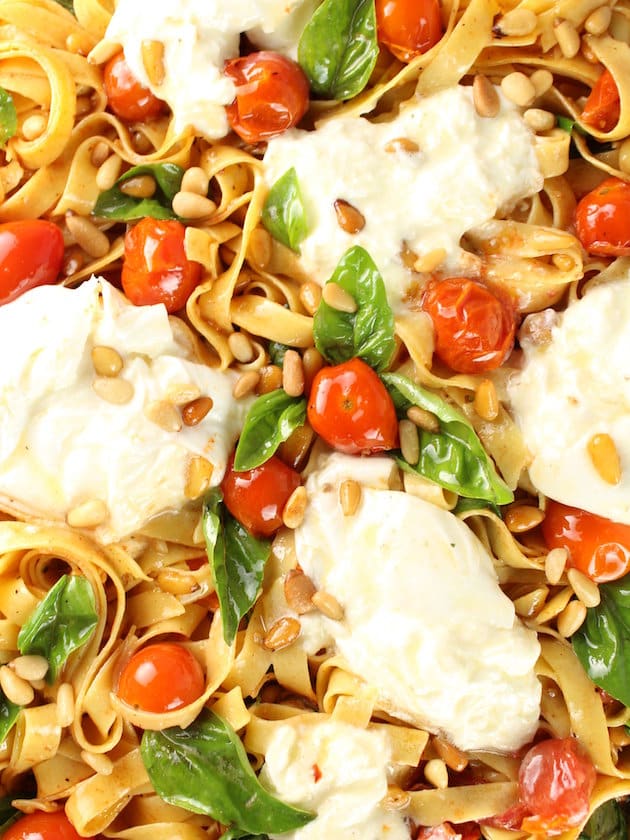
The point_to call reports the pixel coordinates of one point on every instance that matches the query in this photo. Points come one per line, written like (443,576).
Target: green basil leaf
(237,560)
(114,204)
(67,4)
(237,834)
(338,48)
(464,505)
(205,769)
(603,640)
(608,822)
(284,214)
(367,333)
(8,814)
(8,715)
(62,623)
(8,117)
(454,457)
(276,352)
(270,420)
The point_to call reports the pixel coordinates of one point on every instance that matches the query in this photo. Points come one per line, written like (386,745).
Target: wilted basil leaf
(284,214)
(276,352)
(8,117)
(115,204)
(608,822)
(270,420)
(8,715)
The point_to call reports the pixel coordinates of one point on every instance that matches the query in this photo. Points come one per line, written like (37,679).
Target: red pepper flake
(317,773)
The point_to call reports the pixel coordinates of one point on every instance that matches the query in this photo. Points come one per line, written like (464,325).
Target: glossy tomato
(161,677)
(555,782)
(408,27)
(272,95)
(350,408)
(597,546)
(602,219)
(474,327)
(602,108)
(257,497)
(42,826)
(156,268)
(31,253)
(127,97)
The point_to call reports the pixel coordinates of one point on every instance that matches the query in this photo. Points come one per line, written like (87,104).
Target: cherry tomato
(156,268)
(161,677)
(598,547)
(408,27)
(555,783)
(602,108)
(257,497)
(474,327)
(447,831)
(602,219)
(510,819)
(42,826)
(127,97)
(349,407)
(31,253)
(272,94)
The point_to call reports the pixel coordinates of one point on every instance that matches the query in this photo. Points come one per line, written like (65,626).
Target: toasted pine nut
(282,633)
(106,360)
(153,61)
(195,411)
(177,583)
(555,564)
(453,758)
(298,591)
(260,248)
(190,205)
(245,384)
(571,618)
(99,153)
(313,362)
(141,143)
(88,514)
(293,374)
(337,297)
(563,262)
(85,233)
(108,173)
(73,261)
(605,458)
(349,218)
(241,347)
(270,379)
(182,393)
(199,477)
(542,81)
(517,23)
(598,21)
(328,605)
(585,588)
(113,389)
(103,51)
(396,799)
(101,764)
(30,667)
(423,419)
(528,605)
(486,400)
(164,414)
(140,186)
(77,43)
(65,704)
(409,442)
(518,89)
(539,120)
(426,263)
(295,508)
(294,450)
(34,126)
(436,773)
(350,496)
(485,97)
(16,689)
(568,38)
(402,144)
(195,180)
(310,296)
(520,518)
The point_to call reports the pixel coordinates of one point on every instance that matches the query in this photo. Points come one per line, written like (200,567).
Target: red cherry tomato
(602,108)
(156,268)
(474,327)
(127,97)
(161,677)
(447,831)
(602,219)
(408,27)
(31,253)
(598,547)
(555,781)
(272,94)
(349,407)
(42,826)
(257,497)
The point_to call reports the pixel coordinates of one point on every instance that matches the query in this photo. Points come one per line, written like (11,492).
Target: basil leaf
(608,822)
(8,117)
(270,420)
(62,623)
(276,352)
(67,4)
(602,642)
(284,214)
(237,834)
(8,715)
(464,505)
(237,560)
(114,204)
(205,769)
(8,814)
(367,333)
(453,457)
(338,48)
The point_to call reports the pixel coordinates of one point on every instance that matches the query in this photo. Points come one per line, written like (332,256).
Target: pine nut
(485,97)
(555,564)
(585,588)
(99,153)
(245,384)
(598,21)
(313,362)
(310,296)
(350,496)
(260,248)
(518,89)
(539,120)
(298,591)
(195,180)
(542,81)
(423,419)
(409,442)
(571,618)
(408,257)
(337,297)
(605,458)
(328,605)
(522,518)
(295,508)
(163,414)
(517,23)
(153,61)
(85,233)
(108,173)
(293,374)
(34,126)
(88,514)
(182,393)
(140,186)
(241,347)
(176,583)
(101,764)
(396,799)
(195,411)
(528,605)
(198,478)
(30,667)
(402,144)
(106,360)
(65,704)
(294,450)
(348,217)
(77,43)
(588,53)
(115,390)
(436,773)
(282,633)
(453,758)
(427,263)
(141,143)
(73,261)
(16,689)
(190,205)
(486,401)
(568,38)
(270,379)
(563,262)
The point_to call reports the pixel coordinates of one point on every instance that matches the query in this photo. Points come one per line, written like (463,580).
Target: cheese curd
(466,169)
(61,444)
(425,622)
(346,796)
(572,388)
(198,37)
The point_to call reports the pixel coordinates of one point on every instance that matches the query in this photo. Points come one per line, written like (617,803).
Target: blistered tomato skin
(408,27)
(474,327)
(602,108)
(161,677)
(127,97)
(31,254)
(42,826)
(350,408)
(272,95)
(602,219)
